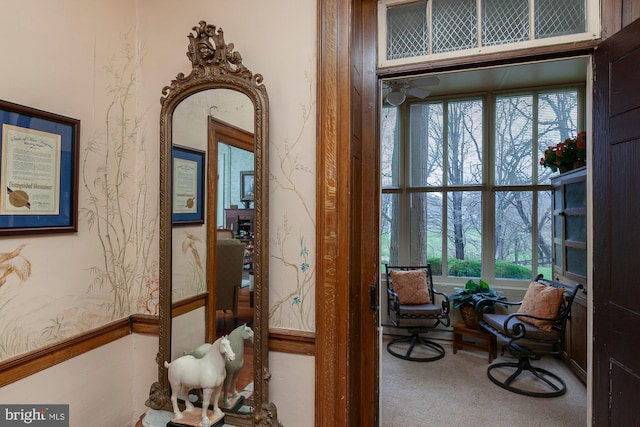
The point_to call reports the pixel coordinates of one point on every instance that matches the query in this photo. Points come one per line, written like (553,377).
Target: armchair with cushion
(535,330)
(225,233)
(412,305)
(229,267)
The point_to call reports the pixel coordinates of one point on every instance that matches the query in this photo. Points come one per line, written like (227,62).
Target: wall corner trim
(24,365)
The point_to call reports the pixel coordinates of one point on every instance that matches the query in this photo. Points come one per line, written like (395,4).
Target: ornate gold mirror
(220,108)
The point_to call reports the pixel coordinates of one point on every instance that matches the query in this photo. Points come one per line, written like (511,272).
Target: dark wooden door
(616,218)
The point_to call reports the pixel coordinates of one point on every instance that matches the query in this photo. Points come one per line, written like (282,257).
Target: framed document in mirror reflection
(247,190)
(188,185)
(38,171)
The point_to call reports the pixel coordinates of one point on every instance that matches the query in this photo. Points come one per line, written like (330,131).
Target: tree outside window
(471,200)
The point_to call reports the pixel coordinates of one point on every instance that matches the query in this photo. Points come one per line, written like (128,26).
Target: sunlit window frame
(592,33)
(488,188)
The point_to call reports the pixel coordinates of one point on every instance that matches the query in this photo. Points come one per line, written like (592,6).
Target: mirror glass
(218,124)
(213,192)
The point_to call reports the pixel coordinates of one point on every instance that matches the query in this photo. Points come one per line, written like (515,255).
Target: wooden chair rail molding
(290,341)
(188,304)
(22,366)
(19,367)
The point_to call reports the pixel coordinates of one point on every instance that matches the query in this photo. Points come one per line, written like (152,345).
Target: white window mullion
(536,193)
(488,193)
(404,177)
(582,103)
(445,181)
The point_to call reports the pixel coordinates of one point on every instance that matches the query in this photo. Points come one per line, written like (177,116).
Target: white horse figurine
(236,337)
(207,373)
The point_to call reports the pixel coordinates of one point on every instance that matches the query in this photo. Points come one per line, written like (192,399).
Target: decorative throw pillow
(541,301)
(411,286)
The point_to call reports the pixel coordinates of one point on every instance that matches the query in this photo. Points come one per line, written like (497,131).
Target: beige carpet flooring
(455,391)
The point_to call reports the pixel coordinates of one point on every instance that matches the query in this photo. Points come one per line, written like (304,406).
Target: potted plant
(466,299)
(566,155)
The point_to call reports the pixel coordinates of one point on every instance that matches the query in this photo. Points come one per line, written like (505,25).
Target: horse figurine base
(193,418)
(232,403)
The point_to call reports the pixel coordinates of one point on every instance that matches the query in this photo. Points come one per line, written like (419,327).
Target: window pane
(557,18)
(389,148)
(407,30)
(426,230)
(504,21)
(557,121)
(464,233)
(559,223)
(576,228)
(557,248)
(577,261)
(389,229)
(464,142)
(575,195)
(425,140)
(418,228)
(514,136)
(455,25)
(514,255)
(544,234)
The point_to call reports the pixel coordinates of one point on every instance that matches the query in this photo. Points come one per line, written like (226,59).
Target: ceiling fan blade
(418,92)
(425,81)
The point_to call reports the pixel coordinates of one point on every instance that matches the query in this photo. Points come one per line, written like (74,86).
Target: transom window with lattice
(428,29)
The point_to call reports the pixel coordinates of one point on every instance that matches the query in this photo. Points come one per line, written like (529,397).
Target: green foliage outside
(473,268)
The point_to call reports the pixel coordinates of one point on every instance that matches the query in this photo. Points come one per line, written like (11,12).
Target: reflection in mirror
(193,249)
(220,92)
(235,182)
(233,148)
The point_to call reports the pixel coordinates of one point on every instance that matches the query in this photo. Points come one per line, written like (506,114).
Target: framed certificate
(38,171)
(188,185)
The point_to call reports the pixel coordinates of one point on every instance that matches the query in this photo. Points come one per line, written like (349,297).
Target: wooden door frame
(346,100)
(217,131)
(333,101)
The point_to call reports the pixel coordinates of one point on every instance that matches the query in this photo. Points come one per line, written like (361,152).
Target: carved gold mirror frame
(216,66)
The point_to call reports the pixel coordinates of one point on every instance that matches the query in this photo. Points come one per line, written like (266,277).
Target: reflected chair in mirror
(412,304)
(224,233)
(229,268)
(536,329)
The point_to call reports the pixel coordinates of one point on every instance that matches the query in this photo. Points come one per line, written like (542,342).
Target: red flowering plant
(566,155)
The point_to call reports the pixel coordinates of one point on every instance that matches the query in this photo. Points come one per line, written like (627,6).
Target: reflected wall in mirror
(219,97)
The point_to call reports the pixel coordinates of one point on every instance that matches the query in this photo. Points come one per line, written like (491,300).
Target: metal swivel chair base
(415,340)
(549,380)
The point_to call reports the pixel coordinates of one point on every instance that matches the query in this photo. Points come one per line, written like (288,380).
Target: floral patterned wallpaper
(118,219)
(55,287)
(292,248)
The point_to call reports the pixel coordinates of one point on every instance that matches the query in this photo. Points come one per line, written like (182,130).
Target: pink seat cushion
(411,286)
(541,301)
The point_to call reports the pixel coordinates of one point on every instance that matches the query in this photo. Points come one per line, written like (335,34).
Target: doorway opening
(462,184)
